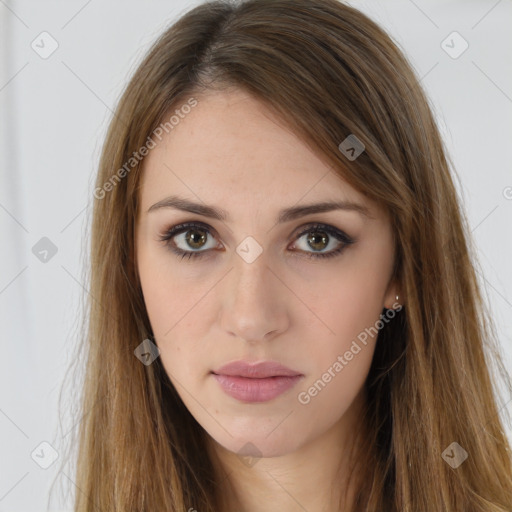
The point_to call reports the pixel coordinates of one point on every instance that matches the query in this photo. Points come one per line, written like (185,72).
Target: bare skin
(304,312)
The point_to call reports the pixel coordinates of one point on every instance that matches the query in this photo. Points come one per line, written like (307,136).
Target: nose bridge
(251,266)
(252,303)
(250,279)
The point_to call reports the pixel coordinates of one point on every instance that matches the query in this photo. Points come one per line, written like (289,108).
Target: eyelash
(189,226)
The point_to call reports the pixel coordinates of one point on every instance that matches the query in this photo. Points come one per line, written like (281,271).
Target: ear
(393,297)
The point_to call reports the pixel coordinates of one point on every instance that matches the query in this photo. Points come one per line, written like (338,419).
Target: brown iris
(194,238)
(314,239)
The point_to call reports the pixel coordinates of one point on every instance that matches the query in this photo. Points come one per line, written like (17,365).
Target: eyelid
(331,230)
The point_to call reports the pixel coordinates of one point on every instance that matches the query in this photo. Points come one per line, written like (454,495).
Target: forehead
(231,149)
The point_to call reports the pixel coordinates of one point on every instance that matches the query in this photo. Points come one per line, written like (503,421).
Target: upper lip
(256,370)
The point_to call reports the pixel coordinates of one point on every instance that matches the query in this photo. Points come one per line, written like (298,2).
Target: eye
(319,237)
(182,238)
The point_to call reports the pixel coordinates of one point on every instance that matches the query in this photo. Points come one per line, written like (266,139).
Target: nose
(254,301)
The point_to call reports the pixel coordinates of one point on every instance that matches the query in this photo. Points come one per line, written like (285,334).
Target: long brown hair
(329,72)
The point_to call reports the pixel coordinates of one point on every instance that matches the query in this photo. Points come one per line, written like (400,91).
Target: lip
(256,382)
(259,370)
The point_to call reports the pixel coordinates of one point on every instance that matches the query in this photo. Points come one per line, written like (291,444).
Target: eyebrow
(285,215)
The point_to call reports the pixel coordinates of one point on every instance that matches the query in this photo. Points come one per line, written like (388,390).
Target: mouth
(259,382)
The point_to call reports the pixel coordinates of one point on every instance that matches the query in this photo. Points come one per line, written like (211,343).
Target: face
(305,290)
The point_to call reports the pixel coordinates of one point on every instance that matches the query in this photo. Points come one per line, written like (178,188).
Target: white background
(54,114)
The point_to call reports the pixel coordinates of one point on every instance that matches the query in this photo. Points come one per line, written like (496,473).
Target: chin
(258,444)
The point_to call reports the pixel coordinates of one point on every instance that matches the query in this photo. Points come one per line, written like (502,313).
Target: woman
(284,313)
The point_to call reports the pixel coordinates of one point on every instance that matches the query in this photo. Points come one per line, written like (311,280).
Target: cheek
(175,307)
(348,301)
(168,294)
(344,332)
(339,366)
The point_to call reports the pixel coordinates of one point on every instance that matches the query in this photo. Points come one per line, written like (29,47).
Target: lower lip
(255,390)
